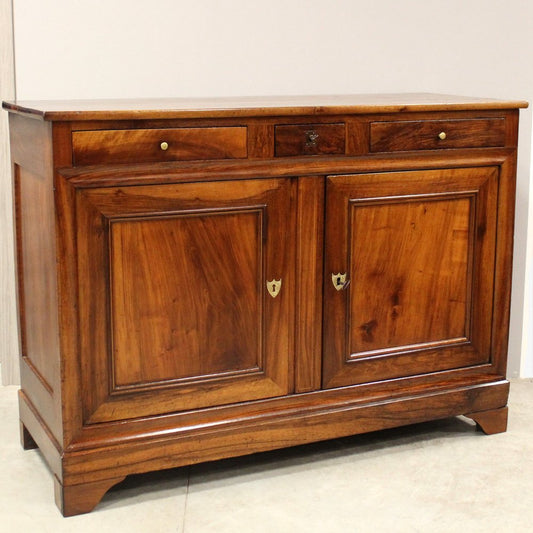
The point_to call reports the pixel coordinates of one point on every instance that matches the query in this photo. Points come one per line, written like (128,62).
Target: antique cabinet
(201,279)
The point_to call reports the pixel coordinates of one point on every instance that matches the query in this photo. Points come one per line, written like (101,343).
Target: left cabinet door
(174,309)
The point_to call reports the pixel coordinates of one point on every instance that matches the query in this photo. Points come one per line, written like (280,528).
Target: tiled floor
(434,477)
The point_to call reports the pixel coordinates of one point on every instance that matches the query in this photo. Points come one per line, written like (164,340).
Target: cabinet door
(175,313)
(418,251)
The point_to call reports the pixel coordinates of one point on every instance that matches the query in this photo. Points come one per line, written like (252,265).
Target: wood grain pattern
(36,261)
(199,306)
(166,348)
(253,106)
(193,171)
(38,284)
(37,427)
(424,135)
(309,139)
(357,136)
(9,344)
(67,275)
(202,253)
(82,498)
(503,264)
(408,308)
(183,144)
(408,256)
(309,274)
(287,428)
(260,140)
(492,421)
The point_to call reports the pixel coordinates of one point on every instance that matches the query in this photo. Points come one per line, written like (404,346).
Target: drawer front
(309,139)
(151,145)
(436,134)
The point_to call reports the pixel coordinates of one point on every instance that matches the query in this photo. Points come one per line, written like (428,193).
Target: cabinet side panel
(36,267)
(503,265)
(39,293)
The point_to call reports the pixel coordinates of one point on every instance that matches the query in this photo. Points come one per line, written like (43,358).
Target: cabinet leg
(83,498)
(26,439)
(490,422)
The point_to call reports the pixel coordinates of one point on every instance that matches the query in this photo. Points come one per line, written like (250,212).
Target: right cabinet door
(409,273)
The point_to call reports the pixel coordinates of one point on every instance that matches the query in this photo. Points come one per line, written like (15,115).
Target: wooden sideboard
(200,279)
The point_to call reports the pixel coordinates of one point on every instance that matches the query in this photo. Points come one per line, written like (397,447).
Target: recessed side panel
(38,284)
(185,296)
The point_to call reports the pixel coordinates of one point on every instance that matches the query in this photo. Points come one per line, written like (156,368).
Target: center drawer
(152,145)
(309,139)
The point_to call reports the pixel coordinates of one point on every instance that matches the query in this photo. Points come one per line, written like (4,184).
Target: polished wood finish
(262,432)
(82,498)
(206,331)
(171,144)
(491,422)
(259,106)
(309,139)
(420,296)
(436,134)
(150,337)
(310,251)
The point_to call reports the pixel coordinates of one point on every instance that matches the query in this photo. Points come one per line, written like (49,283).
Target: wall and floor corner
(106,48)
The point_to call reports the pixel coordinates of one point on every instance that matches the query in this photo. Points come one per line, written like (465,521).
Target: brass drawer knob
(164,145)
(442,135)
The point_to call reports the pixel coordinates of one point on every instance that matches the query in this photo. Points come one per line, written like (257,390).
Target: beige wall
(125,48)
(8,329)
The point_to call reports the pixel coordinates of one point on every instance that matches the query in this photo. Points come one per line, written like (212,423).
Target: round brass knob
(442,135)
(164,145)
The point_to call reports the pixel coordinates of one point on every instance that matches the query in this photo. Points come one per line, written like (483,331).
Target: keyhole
(338,280)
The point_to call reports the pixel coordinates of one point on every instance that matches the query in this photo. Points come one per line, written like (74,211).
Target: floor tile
(441,476)
(151,503)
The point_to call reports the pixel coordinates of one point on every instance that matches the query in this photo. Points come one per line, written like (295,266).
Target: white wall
(134,48)
(8,321)
(526,368)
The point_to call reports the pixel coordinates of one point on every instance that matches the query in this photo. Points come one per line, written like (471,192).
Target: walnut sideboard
(200,279)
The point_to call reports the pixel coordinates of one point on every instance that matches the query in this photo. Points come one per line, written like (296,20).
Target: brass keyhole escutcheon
(164,145)
(273,287)
(311,138)
(339,281)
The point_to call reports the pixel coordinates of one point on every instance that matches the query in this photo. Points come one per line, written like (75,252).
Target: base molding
(87,472)
(82,498)
(492,421)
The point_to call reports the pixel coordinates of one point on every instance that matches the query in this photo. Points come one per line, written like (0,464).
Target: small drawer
(309,139)
(436,134)
(151,145)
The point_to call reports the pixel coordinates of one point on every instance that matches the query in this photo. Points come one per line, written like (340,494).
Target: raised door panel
(418,251)
(174,308)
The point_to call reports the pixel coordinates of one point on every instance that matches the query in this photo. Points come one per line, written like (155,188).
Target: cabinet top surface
(252,106)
